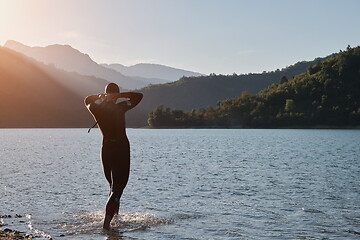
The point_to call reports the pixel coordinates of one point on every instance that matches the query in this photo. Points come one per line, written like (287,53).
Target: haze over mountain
(34,94)
(152,71)
(69,59)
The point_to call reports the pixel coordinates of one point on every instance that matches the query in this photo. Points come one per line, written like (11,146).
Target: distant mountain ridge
(72,60)
(69,59)
(151,70)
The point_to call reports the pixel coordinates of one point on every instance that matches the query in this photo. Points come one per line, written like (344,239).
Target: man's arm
(96,98)
(134,98)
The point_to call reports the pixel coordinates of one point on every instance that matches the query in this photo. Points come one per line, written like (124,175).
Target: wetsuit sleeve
(134,99)
(93,100)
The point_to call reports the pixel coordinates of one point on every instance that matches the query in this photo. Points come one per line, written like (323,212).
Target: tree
(289,105)
(283,79)
(328,94)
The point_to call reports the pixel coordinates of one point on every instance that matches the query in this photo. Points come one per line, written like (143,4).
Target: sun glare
(7,17)
(19,19)
(3,11)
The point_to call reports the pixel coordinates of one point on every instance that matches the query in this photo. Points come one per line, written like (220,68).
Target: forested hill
(197,92)
(327,94)
(203,91)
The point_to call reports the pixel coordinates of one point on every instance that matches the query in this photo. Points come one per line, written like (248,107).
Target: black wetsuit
(115,153)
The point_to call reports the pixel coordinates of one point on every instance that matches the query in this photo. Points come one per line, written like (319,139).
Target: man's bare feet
(107,221)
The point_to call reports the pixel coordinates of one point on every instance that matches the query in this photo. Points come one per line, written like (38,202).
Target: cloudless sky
(207,36)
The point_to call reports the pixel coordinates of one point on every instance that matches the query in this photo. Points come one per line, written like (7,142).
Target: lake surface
(185,184)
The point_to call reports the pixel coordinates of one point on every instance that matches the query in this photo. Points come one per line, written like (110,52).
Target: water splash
(91,222)
(129,222)
(36,230)
(83,223)
(144,218)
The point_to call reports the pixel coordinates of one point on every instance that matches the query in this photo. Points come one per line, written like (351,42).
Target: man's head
(112,88)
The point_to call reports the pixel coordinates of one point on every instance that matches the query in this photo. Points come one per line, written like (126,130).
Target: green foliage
(289,105)
(314,68)
(162,116)
(328,94)
(283,79)
(200,92)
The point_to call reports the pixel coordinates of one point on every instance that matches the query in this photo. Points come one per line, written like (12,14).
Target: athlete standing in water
(109,110)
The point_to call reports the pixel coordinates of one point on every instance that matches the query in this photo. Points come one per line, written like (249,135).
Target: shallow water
(185,184)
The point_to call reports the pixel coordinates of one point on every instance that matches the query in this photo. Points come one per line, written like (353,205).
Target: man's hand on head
(111,97)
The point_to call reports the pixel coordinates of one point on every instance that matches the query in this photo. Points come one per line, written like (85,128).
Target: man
(109,110)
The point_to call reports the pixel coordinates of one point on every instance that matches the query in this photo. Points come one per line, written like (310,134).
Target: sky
(206,36)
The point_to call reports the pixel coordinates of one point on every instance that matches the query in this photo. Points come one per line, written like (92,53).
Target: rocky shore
(10,234)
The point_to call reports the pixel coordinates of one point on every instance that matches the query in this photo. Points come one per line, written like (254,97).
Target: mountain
(153,71)
(199,92)
(326,95)
(69,59)
(34,94)
(42,79)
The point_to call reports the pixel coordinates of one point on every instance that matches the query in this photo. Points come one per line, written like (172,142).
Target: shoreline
(10,234)
(206,127)
(7,233)
(319,127)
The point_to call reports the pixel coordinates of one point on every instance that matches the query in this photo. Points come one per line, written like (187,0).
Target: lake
(185,184)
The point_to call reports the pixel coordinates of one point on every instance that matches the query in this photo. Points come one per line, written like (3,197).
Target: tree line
(327,94)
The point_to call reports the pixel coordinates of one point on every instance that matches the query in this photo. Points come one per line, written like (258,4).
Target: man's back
(110,118)
(109,111)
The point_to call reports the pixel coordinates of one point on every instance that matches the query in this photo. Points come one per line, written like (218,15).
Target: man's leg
(112,207)
(119,179)
(120,169)
(106,158)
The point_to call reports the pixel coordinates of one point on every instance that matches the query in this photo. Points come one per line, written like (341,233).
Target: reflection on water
(185,184)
